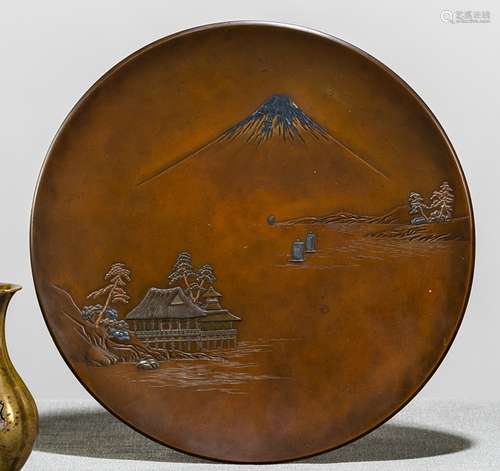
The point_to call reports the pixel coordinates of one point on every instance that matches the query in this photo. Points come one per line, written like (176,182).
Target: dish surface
(252,242)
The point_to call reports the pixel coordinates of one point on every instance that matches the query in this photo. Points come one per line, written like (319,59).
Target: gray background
(52,52)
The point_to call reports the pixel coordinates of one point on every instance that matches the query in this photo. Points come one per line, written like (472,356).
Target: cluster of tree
(193,281)
(109,339)
(439,207)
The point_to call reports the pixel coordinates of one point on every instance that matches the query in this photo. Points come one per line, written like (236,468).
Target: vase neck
(6,293)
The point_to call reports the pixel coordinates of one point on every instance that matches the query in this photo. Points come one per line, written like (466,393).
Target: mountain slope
(279,117)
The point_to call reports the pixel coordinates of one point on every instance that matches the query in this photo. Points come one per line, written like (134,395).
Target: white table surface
(426,435)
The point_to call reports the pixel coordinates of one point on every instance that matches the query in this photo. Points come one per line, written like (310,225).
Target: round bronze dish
(252,242)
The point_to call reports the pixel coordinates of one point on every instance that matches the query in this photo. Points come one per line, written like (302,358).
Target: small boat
(297,254)
(310,242)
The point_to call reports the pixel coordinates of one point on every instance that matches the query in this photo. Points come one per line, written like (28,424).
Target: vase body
(18,413)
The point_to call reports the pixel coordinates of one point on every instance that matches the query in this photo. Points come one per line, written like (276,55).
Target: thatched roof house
(165,303)
(168,318)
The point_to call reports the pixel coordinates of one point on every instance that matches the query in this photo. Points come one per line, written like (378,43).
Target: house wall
(162,324)
(216,325)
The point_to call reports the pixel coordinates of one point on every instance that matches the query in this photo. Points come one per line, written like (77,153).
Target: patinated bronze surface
(252,242)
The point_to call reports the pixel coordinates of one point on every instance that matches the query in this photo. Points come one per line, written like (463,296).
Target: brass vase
(18,413)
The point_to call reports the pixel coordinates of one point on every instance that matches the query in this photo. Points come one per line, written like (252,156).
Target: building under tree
(168,318)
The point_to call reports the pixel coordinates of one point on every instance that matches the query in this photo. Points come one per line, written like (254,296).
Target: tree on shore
(442,203)
(115,291)
(416,205)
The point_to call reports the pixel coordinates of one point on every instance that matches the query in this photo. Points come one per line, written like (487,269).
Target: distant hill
(398,215)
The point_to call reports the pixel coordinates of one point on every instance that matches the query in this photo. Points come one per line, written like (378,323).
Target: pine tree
(205,278)
(192,281)
(118,276)
(442,203)
(416,204)
(183,273)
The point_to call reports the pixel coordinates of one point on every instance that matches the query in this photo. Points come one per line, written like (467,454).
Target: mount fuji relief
(279,118)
